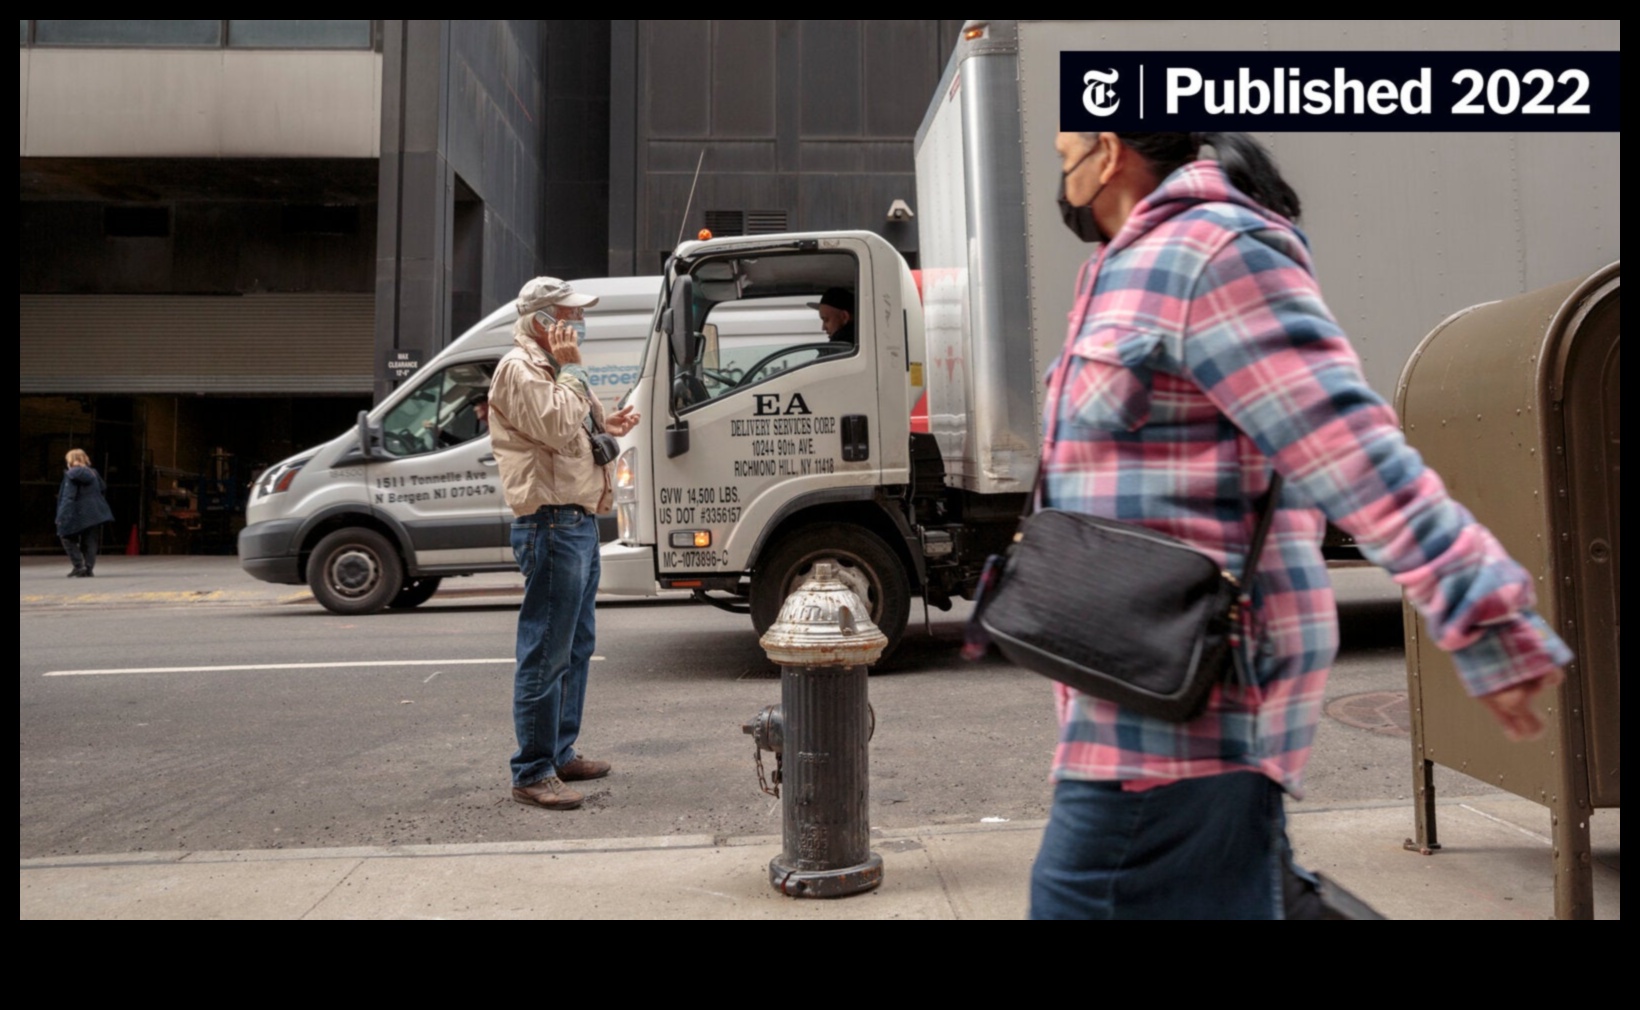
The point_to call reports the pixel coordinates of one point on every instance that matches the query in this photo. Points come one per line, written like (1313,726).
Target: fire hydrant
(823,641)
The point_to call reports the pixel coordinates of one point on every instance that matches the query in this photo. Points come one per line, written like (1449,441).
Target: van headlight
(626,497)
(279,477)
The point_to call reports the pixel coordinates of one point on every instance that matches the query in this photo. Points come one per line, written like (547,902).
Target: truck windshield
(765,314)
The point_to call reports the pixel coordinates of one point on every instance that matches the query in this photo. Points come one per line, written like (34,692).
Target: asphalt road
(415,750)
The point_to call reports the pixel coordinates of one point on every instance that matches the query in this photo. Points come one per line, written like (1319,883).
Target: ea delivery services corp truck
(756,460)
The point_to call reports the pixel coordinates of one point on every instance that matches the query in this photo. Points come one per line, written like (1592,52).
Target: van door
(442,486)
(766,410)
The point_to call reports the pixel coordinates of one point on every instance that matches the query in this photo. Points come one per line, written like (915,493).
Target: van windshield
(447,408)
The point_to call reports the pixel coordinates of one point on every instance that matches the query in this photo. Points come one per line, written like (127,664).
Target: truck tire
(785,567)
(355,571)
(415,593)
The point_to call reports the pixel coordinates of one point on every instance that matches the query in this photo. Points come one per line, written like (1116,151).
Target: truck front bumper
(626,571)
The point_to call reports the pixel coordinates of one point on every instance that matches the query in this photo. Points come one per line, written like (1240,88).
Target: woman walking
(1200,363)
(81,511)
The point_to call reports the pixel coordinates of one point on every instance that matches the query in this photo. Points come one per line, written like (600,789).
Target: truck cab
(763,451)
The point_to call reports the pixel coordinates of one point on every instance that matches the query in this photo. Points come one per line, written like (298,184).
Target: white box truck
(755,461)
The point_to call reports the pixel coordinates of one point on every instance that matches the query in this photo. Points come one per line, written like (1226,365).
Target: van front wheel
(355,571)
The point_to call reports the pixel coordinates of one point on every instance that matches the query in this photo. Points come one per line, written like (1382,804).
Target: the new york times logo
(1100,97)
(1336,91)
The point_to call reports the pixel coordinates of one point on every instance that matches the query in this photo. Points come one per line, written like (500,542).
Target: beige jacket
(536,429)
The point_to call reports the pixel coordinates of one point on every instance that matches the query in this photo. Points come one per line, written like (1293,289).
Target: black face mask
(1080,220)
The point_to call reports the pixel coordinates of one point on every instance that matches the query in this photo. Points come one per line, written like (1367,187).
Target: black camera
(604,447)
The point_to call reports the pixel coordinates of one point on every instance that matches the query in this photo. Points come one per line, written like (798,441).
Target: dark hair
(1249,166)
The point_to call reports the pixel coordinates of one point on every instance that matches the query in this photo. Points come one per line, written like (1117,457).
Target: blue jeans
(1206,848)
(557,550)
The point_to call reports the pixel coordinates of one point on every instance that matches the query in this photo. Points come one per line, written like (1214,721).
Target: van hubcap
(354,572)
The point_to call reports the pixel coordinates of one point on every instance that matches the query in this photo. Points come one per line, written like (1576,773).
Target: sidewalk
(1495,865)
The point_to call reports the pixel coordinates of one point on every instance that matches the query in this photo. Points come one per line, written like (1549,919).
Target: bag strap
(1255,548)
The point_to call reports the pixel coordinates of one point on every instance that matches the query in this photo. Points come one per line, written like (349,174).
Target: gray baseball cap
(545,292)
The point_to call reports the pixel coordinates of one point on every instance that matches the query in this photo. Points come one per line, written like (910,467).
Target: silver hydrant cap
(824,623)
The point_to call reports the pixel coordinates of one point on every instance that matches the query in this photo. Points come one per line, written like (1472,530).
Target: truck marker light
(704,234)
(691,538)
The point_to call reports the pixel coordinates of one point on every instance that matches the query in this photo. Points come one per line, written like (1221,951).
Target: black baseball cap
(837,298)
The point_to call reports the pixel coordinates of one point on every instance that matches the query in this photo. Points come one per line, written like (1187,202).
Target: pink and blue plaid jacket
(1201,355)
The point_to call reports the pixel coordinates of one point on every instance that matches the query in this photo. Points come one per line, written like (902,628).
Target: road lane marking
(240,668)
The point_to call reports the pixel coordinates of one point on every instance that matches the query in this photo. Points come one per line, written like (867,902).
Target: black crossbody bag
(1117,611)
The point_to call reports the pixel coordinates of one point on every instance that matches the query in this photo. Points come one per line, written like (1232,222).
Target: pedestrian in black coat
(81,511)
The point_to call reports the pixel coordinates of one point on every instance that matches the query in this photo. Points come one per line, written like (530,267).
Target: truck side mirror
(687,390)
(681,333)
(677,439)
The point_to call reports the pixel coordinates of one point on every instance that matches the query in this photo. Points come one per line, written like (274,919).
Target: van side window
(447,408)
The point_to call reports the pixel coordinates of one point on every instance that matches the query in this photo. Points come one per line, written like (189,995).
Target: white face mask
(546,320)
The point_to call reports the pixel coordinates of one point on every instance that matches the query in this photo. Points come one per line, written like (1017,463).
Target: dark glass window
(136,222)
(300,219)
(128,33)
(295,34)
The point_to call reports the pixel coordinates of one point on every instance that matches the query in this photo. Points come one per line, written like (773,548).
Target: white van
(378,516)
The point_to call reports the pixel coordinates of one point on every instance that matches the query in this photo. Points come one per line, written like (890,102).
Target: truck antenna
(691,201)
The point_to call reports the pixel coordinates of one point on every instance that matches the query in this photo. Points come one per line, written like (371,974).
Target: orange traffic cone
(131,544)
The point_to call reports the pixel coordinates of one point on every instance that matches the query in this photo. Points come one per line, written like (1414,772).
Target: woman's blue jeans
(557,550)
(1205,848)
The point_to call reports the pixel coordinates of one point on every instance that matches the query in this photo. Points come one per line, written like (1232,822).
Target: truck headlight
(626,497)
(626,477)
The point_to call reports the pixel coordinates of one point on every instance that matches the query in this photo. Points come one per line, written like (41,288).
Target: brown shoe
(582,769)
(550,792)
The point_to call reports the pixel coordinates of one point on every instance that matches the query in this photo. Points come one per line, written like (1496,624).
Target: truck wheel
(415,593)
(852,547)
(355,571)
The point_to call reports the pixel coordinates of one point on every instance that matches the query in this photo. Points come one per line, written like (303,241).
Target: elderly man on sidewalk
(542,418)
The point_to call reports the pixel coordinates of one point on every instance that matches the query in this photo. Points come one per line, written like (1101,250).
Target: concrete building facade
(228,228)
